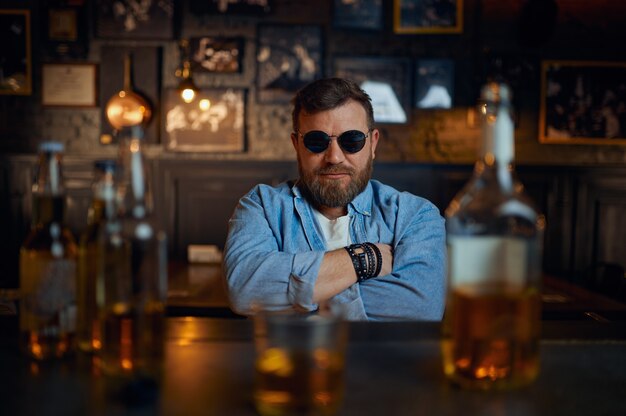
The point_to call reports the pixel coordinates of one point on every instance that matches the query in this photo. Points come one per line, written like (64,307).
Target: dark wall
(509,39)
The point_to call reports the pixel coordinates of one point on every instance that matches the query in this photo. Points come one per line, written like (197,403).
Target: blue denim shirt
(275,248)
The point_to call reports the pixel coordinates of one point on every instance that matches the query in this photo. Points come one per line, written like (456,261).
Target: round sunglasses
(351,141)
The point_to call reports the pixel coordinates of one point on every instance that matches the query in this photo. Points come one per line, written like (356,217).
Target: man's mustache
(333,170)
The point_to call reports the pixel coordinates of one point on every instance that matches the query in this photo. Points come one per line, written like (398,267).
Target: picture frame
(213,122)
(65,30)
(15,52)
(427,16)
(121,19)
(69,85)
(386,80)
(216,54)
(234,7)
(288,58)
(582,102)
(434,83)
(358,14)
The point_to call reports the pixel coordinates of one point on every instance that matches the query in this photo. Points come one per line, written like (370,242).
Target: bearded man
(336,235)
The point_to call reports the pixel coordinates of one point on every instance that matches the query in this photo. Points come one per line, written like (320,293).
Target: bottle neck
(498,149)
(48,195)
(137,201)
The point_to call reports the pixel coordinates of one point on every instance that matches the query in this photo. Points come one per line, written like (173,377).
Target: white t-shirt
(336,232)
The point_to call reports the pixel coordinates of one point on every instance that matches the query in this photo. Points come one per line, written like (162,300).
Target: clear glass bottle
(103,206)
(492,320)
(133,279)
(48,265)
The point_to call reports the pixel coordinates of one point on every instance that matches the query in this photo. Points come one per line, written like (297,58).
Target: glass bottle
(133,279)
(48,265)
(103,206)
(492,320)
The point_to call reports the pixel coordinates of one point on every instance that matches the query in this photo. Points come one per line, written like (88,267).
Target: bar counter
(393,368)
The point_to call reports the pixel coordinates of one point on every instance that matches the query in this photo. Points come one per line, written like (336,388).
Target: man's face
(335,177)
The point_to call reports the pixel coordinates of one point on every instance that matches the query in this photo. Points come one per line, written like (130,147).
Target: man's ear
(294,140)
(374,137)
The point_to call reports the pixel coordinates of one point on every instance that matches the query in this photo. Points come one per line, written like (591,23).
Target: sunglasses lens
(352,141)
(316,141)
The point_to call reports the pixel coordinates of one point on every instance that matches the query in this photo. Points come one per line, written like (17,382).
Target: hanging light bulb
(186,87)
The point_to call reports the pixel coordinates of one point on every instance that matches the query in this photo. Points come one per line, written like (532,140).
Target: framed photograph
(427,16)
(216,54)
(583,102)
(386,80)
(245,7)
(434,83)
(288,57)
(15,52)
(213,122)
(69,85)
(66,29)
(358,14)
(132,19)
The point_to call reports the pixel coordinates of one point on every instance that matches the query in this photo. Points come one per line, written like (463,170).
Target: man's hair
(327,94)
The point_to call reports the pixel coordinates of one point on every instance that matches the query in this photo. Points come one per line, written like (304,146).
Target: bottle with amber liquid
(48,265)
(133,276)
(491,325)
(103,206)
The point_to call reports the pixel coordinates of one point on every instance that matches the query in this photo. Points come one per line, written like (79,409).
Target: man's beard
(331,193)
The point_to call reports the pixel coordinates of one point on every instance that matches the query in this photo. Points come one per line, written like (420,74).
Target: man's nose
(334,153)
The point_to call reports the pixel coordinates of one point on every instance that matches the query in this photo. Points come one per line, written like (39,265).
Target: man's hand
(337,272)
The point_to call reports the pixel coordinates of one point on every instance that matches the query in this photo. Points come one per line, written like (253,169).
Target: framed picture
(66,29)
(427,16)
(583,102)
(216,54)
(288,57)
(358,14)
(69,85)
(246,7)
(434,83)
(386,81)
(131,19)
(15,52)
(213,122)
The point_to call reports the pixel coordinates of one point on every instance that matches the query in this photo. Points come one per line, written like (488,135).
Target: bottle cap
(51,146)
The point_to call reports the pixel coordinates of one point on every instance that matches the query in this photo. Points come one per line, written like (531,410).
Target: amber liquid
(133,340)
(87,323)
(48,283)
(491,340)
(299,382)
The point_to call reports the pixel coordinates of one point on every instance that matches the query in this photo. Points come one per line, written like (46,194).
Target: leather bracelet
(359,262)
(379,258)
(371,260)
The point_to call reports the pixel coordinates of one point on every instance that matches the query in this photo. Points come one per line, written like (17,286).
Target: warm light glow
(204,104)
(188,95)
